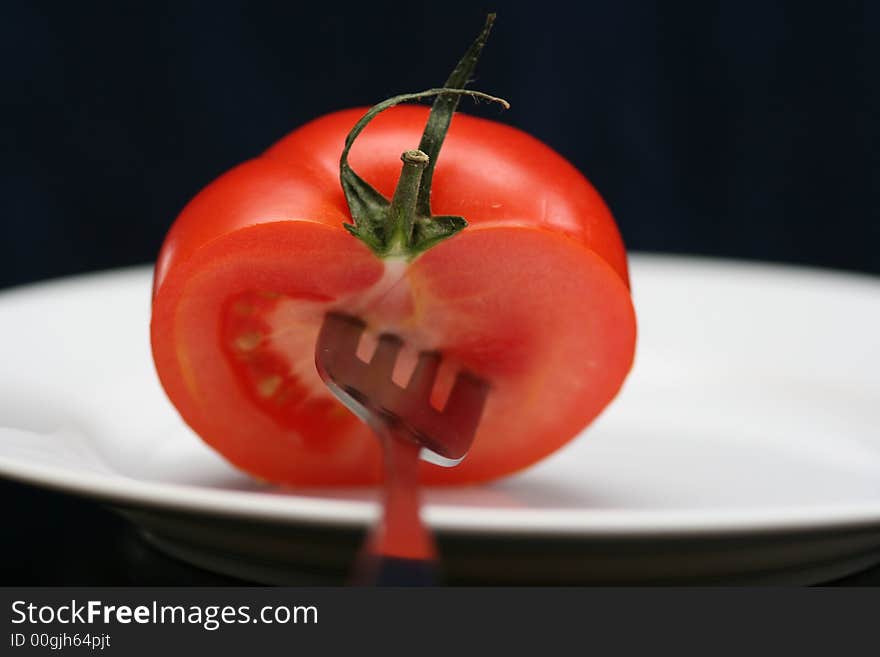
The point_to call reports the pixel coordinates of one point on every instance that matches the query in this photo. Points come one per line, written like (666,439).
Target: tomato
(533,296)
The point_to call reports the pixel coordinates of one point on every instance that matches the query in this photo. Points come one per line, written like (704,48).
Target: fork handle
(400,532)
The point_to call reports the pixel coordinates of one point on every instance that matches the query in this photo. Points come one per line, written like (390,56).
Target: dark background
(737,129)
(740,129)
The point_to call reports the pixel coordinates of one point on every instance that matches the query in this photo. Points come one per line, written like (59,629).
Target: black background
(739,129)
(742,129)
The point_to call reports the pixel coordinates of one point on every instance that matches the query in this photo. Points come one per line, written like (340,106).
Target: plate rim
(290,508)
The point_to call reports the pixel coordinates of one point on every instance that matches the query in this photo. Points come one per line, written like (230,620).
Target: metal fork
(402,417)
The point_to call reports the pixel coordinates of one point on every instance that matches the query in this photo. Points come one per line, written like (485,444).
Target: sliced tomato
(533,296)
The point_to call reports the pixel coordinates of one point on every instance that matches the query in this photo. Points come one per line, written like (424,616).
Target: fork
(409,428)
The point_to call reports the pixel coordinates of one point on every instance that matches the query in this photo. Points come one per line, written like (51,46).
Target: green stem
(405,226)
(370,210)
(388,103)
(402,211)
(443,109)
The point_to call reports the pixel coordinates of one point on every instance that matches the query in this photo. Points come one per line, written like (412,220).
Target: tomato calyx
(404,227)
(397,228)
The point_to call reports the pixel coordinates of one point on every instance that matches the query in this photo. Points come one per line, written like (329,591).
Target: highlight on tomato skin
(533,296)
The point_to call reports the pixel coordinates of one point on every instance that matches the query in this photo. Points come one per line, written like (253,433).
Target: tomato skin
(532,295)
(488,172)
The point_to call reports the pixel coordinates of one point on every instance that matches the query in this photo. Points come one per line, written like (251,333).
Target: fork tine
(382,362)
(339,337)
(422,381)
(465,404)
(368,390)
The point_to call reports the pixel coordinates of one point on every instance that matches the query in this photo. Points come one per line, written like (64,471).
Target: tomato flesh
(533,296)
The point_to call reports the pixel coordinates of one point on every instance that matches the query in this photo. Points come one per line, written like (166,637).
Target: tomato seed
(269,386)
(248,341)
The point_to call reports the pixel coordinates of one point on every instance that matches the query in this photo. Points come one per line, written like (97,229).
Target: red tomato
(533,296)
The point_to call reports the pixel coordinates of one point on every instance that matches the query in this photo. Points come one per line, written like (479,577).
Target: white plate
(745,446)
